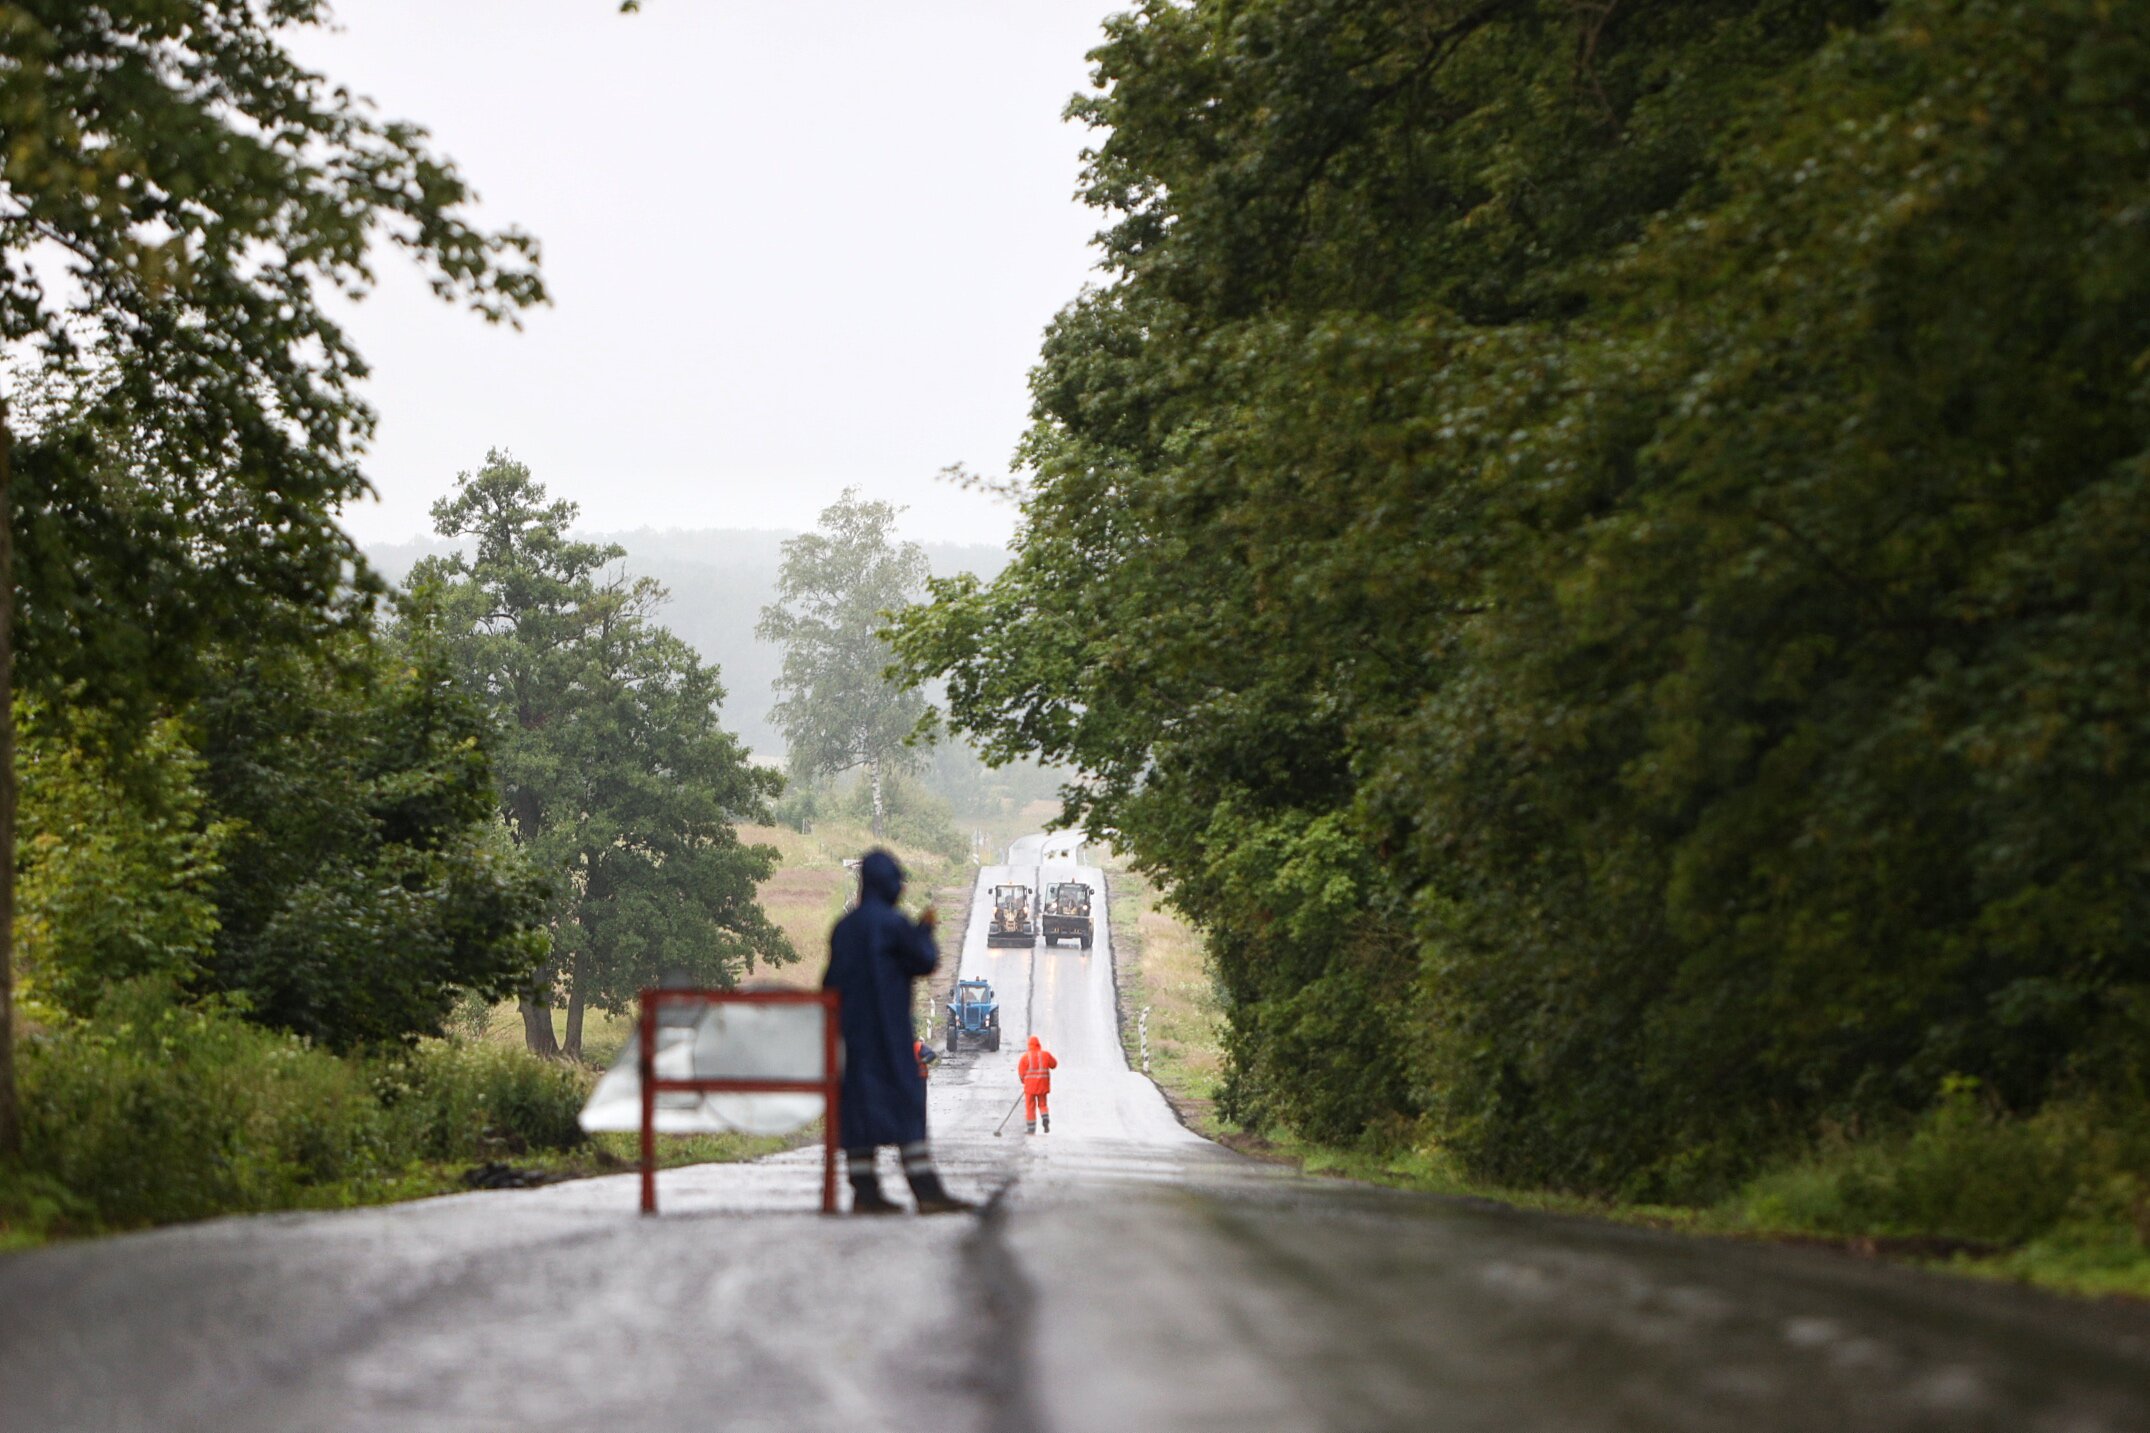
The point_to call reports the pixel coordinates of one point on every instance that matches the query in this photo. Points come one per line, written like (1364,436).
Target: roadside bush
(453,1099)
(911,815)
(116,858)
(160,1111)
(800,804)
(1968,1170)
(1320,1061)
(34,1207)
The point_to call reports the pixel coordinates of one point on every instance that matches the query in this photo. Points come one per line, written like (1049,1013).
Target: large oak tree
(616,776)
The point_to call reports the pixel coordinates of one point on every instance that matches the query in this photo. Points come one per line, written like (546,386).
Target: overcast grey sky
(792,245)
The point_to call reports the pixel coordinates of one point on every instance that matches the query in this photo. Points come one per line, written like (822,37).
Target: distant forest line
(719,579)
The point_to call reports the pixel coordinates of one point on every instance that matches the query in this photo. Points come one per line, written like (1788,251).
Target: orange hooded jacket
(1036,1067)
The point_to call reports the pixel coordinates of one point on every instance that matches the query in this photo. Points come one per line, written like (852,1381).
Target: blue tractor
(973,1015)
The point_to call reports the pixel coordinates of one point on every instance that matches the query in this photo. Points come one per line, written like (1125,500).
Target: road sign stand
(829,1086)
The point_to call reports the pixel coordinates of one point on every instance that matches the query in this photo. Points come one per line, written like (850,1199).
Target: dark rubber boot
(866,1195)
(1030,1126)
(933,1199)
(867,1198)
(1048,1119)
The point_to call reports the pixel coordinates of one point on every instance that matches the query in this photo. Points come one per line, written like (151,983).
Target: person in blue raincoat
(874,955)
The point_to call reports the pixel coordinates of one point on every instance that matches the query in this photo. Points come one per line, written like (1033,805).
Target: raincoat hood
(881,877)
(1033,1042)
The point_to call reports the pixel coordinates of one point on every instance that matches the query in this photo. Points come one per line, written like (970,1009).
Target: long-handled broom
(1008,1116)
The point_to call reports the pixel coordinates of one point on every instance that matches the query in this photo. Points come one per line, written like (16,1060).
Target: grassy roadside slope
(165,1113)
(2050,1196)
(1159,966)
(174,1113)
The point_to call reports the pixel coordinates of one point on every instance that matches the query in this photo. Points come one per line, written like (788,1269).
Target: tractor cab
(1014,920)
(973,1015)
(1067,913)
(1069,898)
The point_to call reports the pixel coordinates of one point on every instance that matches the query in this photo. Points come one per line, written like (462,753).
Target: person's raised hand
(929,917)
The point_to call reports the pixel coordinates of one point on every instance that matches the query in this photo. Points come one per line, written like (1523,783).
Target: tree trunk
(10,1118)
(537,1025)
(573,1046)
(873,767)
(535,1003)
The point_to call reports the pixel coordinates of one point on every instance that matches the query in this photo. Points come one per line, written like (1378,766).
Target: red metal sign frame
(829,1086)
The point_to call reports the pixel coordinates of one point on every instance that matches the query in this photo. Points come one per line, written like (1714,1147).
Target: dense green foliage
(175,190)
(614,775)
(2073,1170)
(256,827)
(838,710)
(1593,549)
(161,1110)
(316,838)
(117,865)
(366,883)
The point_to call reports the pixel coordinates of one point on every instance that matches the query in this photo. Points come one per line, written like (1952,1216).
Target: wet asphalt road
(1130,1276)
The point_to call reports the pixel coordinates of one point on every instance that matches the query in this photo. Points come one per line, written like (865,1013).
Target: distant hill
(720,579)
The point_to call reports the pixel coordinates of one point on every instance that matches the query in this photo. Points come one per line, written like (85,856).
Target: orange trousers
(1033,1104)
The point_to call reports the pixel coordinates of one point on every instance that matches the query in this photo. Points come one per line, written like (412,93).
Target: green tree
(173,190)
(839,708)
(366,882)
(118,862)
(1593,534)
(615,775)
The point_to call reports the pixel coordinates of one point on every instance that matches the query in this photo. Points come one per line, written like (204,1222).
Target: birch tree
(840,709)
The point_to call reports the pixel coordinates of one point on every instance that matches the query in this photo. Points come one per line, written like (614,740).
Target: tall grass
(1968,1170)
(159,1110)
(454,1100)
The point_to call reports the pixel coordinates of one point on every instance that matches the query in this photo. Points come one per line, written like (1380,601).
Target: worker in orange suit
(926,1056)
(1036,1068)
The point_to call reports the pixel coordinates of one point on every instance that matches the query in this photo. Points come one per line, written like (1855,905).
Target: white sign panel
(726,1040)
